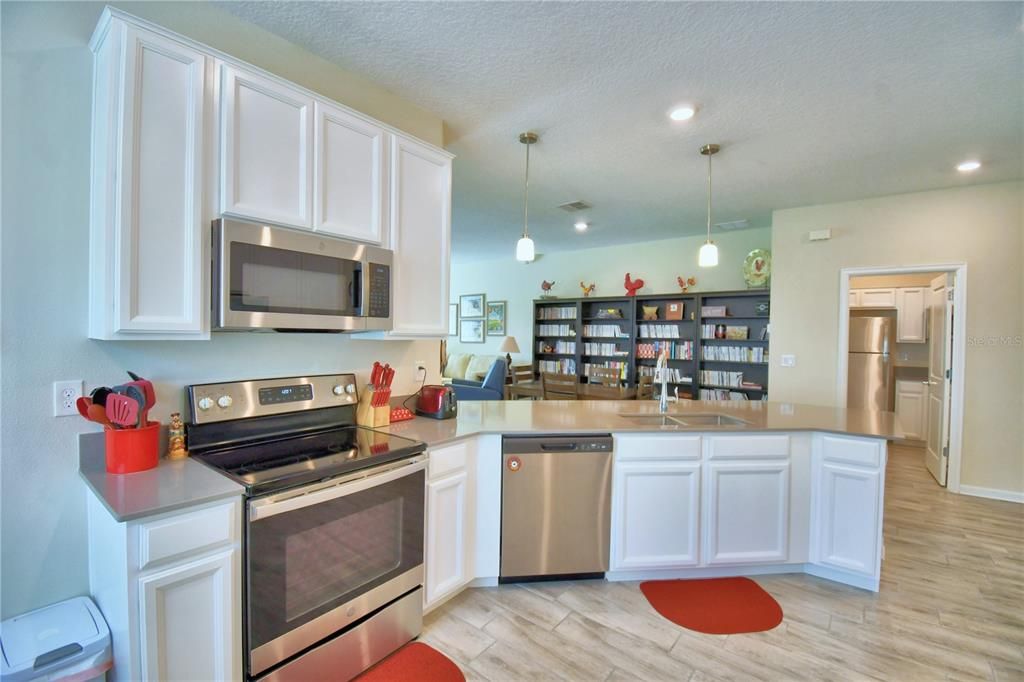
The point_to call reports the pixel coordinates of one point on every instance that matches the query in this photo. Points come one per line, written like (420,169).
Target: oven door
(323,556)
(274,278)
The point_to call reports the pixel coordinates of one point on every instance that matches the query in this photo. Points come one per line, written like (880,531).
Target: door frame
(956,407)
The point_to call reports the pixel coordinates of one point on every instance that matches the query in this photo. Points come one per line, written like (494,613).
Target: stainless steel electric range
(334,512)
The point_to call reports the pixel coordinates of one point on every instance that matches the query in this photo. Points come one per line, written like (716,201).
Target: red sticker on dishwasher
(513,463)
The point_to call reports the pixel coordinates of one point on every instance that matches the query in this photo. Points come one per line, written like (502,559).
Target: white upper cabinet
(147,222)
(910,315)
(421,185)
(874,298)
(266,164)
(350,183)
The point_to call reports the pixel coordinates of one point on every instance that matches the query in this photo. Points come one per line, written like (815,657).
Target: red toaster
(437,402)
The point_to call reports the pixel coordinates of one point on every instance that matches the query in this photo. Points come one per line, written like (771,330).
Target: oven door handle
(290,501)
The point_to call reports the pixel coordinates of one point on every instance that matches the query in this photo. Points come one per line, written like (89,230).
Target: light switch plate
(65,394)
(787,361)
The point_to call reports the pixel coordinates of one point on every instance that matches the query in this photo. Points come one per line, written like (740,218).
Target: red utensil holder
(131,450)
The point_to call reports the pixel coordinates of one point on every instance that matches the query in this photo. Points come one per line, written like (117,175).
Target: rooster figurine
(545,286)
(685,284)
(632,285)
(587,289)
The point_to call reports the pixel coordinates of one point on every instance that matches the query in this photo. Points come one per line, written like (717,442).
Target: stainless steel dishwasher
(555,506)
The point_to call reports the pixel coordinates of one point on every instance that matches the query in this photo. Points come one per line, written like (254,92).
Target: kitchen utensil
(98,414)
(99,395)
(122,410)
(137,394)
(145,386)
(83,404)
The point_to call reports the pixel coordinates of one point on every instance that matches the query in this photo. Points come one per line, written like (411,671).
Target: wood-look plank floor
(951,607)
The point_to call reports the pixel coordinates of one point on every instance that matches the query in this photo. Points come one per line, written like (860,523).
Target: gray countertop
(171,485)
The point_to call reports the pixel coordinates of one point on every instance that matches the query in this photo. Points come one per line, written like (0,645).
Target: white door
(266,160)
(655,515)
(447,528)
(910,408)
(848,517)
(189,621)
(350,182)
(159,277)
(911,306)
(940,326)
(755,530)
(420,237)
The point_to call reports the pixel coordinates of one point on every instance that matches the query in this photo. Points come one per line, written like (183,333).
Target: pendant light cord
(709,198)
(526,196)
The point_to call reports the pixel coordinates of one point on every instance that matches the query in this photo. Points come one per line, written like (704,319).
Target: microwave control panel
(378,297)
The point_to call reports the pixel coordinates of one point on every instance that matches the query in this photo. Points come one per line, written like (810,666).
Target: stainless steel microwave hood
(269,278)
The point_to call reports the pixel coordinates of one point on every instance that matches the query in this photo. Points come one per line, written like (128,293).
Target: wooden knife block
(370,416)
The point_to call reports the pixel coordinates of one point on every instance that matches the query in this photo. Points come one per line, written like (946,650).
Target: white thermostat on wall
(819,235)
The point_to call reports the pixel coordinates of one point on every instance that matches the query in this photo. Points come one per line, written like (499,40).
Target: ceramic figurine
(685,284)
(176,438)
(650,312)
(545,286)
(632,285)
(587,289)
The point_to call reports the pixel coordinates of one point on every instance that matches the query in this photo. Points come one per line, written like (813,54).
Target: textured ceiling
(812,103)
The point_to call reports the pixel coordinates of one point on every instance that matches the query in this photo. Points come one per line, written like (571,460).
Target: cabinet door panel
(910,408)
(447,528)
(266,163)
(910,313)
(159,268)
(878,298)
(350,180)
(849,517)
(189,620)
(655,515)
(420,233)
(747,512)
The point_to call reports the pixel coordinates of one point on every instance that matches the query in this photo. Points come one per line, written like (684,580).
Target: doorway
(911,363)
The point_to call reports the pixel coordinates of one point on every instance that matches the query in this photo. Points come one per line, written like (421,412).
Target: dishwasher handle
(559,447)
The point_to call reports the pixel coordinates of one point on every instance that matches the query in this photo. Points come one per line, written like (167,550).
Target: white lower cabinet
(448,550)
(188,619)
(911,397)
(746,511)
(170,588)
(846,527)
(655,515)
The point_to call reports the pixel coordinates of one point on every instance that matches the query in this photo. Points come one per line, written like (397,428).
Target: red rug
(415,662)
(716,606)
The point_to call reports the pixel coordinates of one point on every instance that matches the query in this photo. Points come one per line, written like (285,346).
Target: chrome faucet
(661,372)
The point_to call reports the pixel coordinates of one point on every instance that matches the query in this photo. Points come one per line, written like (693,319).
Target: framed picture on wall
(496,318)
(453,319)
(471,306)
(471,331)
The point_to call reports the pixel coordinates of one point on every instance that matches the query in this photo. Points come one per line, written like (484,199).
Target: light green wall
(46,95)
(982,226)
(657,263)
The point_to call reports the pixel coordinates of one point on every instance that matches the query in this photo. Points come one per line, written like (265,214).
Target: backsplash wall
(46,94)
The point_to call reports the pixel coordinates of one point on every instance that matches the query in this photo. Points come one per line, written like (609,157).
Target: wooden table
(532,389)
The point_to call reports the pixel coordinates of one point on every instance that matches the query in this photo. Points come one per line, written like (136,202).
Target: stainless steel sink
(703,419)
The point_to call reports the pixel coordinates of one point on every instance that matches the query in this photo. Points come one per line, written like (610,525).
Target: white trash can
(67,641)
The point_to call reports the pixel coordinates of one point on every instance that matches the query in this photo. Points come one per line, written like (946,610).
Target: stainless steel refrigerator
(870,379)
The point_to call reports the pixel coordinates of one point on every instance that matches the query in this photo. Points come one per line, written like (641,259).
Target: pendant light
(708,256)
(524,247)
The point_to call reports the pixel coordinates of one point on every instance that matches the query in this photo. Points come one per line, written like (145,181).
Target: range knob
(338,389)
(224,401)
(351,388)
(205,403)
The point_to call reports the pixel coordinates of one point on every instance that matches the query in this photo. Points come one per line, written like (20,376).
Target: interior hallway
(951,607)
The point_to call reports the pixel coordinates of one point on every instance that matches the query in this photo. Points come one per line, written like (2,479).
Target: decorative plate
(757,268)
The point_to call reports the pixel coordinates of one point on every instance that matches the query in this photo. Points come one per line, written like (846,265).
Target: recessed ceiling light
(581,226)
(968,166)
(683,113)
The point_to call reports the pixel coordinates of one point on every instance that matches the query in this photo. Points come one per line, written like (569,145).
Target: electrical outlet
(788,361)
(421,370)
(65,394)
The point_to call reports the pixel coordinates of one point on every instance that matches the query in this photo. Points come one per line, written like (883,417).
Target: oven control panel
(242,399)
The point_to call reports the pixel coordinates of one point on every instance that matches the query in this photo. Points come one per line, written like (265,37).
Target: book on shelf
(557,366)
(605,330)
(555,330)
(722,394)
(673,374)
(724,331)
(717,377)
(677,350)
(622,367)
(713,311)
(658,331)
(565,347)
(674,310)
(594,348)
(551,313)
(735,354)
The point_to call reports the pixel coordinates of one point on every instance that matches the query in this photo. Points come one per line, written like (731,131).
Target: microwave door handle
(286,502)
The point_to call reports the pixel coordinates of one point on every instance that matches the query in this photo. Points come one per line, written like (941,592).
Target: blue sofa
(491,388)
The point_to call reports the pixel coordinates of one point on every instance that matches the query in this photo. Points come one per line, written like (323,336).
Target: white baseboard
(992,493)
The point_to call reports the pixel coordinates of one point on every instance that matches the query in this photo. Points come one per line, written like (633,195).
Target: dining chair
(606,376)
(645,388)
(520,374)
(559,386)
